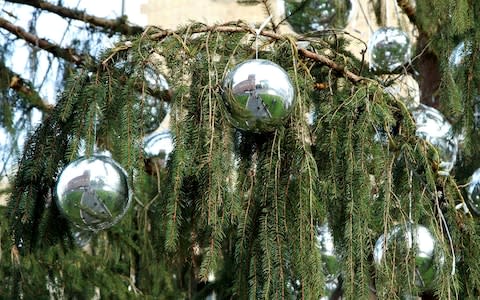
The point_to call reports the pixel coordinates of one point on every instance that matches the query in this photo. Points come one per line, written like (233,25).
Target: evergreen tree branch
(66,53)
(24,89)
(229,27)
(117,25)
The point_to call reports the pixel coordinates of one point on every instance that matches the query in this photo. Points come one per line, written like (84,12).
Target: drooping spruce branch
(117,25)
(242,27)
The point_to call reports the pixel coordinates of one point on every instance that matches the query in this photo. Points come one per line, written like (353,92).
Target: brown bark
(117,25)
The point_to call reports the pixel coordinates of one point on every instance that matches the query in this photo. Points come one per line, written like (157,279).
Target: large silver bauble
(411,239)
(389,49)
(331,266)
(93,193)
(258,95)
(317,15)
(433,127)
(158,145)
(473,192)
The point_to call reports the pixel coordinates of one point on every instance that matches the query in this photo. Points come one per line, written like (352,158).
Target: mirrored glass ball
(459,53)
(406,89)
(411,239)
(473,192)
(159,145)
(389,49)
(93,193)
(258,95)
(331,266)
(316,15)
(154,101)
(433,127)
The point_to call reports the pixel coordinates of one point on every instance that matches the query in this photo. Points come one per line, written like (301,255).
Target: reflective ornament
(158,145)
(411,239)
(405,88)
(317,15)
(82,237)
(93,193)
(435,129)
(458,55)
(389,49)
(154,105)
(331,267)
(473,192)
(258,95)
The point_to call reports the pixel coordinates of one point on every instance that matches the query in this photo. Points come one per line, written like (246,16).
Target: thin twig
(115,25)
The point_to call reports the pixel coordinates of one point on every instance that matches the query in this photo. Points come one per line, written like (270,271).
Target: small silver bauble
(399,242)
(93,193)
(433,127)
(158,145)
(405,88)
(389,49)
(154,105)
(473,192)
(258,95)
(458,55)
(82,237)
(331,266)
(317,15)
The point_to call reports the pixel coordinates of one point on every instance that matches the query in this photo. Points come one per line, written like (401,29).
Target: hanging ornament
(157,147)
(331,268)
(435,129)
(399,242)
(405,88)
(473,192)
(458,55)
(93,193)
(81,237)
(258,95)
(389,49)
(155,98)
(316,15)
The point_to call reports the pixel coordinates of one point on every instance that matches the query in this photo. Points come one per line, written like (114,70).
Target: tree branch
(65,53)
(117,25)
(245,28)
(23,88)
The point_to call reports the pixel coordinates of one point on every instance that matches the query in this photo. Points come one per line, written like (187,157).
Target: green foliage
(242,206)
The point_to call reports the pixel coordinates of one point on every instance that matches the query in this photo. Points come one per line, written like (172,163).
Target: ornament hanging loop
(257,34)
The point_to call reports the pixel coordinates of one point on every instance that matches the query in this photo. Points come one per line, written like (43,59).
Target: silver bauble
(258,95)
(406,89)
(433,127)
(154,100)
(389,49)
(93,193)
(317,15)
(331,266)
(411,239)
(473,192)
(81,237)
(458,55)
(158,145)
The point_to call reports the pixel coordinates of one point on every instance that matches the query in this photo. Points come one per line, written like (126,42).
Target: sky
(53,28)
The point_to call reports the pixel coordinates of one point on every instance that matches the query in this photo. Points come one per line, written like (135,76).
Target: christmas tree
(238,161)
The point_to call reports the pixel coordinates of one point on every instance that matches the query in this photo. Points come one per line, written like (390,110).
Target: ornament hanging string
(257,34)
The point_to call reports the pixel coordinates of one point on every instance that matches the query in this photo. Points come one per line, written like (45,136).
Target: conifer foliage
(245,207)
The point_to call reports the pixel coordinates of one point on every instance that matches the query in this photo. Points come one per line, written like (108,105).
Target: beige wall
(169,14)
